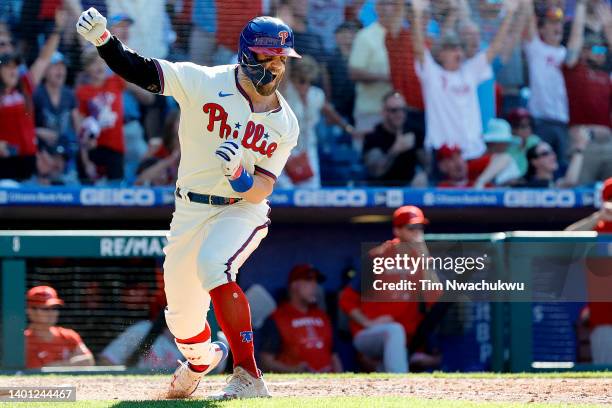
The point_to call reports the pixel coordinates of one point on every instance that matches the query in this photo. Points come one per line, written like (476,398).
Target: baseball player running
(236,133)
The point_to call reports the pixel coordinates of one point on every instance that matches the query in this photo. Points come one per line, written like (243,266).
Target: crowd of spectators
(449,93)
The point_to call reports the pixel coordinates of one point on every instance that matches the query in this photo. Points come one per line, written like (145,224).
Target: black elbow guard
(130,66)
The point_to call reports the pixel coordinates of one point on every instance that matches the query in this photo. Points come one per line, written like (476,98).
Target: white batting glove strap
(229,154)
(92,26)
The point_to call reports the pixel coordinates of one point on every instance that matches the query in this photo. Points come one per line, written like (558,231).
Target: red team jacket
(304,337)
(601,312)
(407,313)
(17,119)
(40,353)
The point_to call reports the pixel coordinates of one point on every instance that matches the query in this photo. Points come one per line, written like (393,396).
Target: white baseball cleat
(242,385)
(185,380)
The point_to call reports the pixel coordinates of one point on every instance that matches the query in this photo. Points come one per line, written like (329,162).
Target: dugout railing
(511,328)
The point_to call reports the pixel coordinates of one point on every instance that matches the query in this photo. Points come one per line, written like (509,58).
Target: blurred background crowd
(448,93)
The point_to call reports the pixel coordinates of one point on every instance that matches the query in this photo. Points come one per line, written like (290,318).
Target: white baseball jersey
(215,108)
(207,244)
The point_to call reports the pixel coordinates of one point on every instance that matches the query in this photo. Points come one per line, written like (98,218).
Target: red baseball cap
(517,115)
(606,191)
(408,214)
(43,296)
(553,13)
(446,152)
(305,272)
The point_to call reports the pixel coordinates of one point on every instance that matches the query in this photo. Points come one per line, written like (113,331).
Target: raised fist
(229,154)
(92,26)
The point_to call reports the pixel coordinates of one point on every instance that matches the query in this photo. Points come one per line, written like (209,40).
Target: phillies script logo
(254,137)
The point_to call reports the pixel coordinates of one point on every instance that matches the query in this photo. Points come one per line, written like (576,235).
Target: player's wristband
(241,181)
(103,39)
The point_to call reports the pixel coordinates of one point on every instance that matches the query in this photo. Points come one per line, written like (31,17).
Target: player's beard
(269,88)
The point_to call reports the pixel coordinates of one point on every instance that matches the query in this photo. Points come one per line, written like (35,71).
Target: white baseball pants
(206,246)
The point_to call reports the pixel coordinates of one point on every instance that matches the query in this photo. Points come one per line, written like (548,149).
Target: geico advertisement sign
(132,246)
(141,197)
(540,198)
(330,198)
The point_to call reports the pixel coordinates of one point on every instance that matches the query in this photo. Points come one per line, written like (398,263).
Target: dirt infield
(495,389)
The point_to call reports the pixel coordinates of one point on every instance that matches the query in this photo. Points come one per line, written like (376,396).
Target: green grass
(286,377)
(343,402)
(315,402)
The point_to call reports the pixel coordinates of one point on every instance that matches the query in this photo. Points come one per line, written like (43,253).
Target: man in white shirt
(450,84)
(545,55)
(369,64)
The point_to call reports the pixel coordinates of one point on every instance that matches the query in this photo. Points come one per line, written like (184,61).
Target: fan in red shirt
(17,129)
(589,90)
(588,83)
(382,330)
(17,136)
(298,337)
(230,21)
(600,316)
(456,171)
(100,102)
(46,344)
(495,166)
(401,65)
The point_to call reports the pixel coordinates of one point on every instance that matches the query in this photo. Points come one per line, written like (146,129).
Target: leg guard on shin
(198,349)
(198,354)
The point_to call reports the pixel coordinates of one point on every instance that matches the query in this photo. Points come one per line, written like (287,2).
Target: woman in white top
(308,103)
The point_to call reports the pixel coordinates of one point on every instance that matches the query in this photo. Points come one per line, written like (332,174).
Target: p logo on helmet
(283,36)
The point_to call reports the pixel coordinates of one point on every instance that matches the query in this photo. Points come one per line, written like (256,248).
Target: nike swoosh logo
(223,95)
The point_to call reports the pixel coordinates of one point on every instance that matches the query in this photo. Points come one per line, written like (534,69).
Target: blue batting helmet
(268,36)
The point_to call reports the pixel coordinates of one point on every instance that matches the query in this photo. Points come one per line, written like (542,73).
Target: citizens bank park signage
(159,197)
